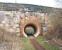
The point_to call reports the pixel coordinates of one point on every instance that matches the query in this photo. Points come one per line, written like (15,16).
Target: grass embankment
(26,44)
(45,44)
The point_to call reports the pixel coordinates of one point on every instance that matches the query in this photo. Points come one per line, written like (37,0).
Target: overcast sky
(50,3)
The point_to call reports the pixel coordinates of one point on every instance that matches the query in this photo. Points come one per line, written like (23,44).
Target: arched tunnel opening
(30,26)
(30,30)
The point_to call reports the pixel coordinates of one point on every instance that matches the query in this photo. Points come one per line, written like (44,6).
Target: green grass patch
(45,44)
(26,44)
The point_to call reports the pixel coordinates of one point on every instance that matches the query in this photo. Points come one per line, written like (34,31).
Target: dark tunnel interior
(30,30)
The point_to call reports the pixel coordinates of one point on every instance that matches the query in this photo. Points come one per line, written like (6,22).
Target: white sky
(51,3)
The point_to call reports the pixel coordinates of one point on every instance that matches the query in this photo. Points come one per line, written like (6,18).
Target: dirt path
(36,45)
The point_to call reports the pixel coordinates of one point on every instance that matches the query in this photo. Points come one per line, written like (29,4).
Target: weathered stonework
(11,20)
